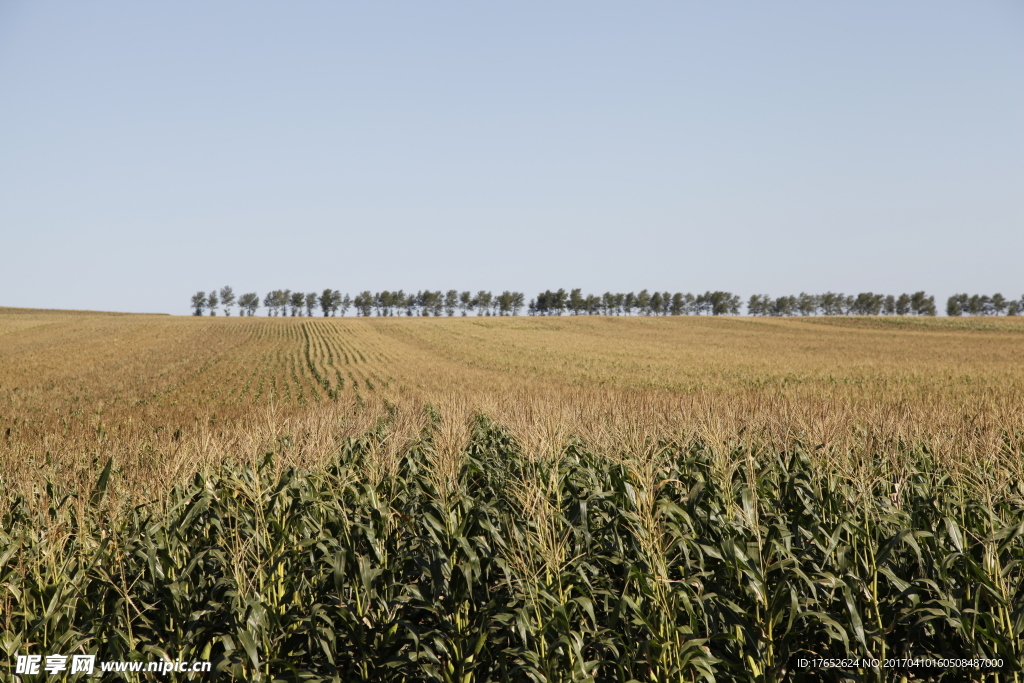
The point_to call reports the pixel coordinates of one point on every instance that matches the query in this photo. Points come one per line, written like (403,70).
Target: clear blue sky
(149,150)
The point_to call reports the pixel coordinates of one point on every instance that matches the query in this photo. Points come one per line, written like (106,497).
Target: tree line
(831,303)
(331,302)
(982,304)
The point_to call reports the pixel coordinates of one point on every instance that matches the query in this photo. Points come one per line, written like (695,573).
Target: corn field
(594,500)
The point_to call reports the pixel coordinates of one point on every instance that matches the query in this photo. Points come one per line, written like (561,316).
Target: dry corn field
(515,499)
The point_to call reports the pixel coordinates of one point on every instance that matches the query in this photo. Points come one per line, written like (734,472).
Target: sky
(152,149)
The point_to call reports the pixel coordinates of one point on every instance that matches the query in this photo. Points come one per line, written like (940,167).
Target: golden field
(168,396)
(542,500)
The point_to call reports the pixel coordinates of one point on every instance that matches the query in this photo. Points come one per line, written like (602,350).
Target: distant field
(515,499)
(84,385)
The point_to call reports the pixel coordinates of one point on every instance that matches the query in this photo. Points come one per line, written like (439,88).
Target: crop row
(487,564)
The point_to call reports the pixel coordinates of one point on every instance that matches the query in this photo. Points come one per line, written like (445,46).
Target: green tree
(784,306)
(505,303)
(903,304)
(327,303)
(465,303)
(643,302)
(576,301)
(807,304)
(311,304)
(517,302)
(451,302)
(830,303)
(867,303)
(296,301)
(482,302)
(677,305)
(628,303)
(344,303)
(212,301)
(759,305)
(608,303)
(722,303)
(227,299)
(364,303)
(248,303)
(380,302)
(198,302)
(702,303)
(655,303)
(922,304)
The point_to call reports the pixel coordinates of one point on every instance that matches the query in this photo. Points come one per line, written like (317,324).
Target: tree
(551,303)
(689,303)
(465,302)
(505,303)
(608,303)
(451,302)
(867,303)
(380,302)
(576,301)
(721,303)
(248,303)
(297,300)
(327,302)
(643,302)
(227,298)
(655,304)
(344,302)
(270,302)
(999,303)
(759,304)
(517,302)
(954,305)
(807,304)
(212,301)
(482,302)
(702,303)
(784,306)
(830,303)
(363,304)
(311,304)
(198,302)
(922,304)
(628,303)
(678,304)
(890,305)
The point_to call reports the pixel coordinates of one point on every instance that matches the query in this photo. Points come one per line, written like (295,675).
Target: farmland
(556,498)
